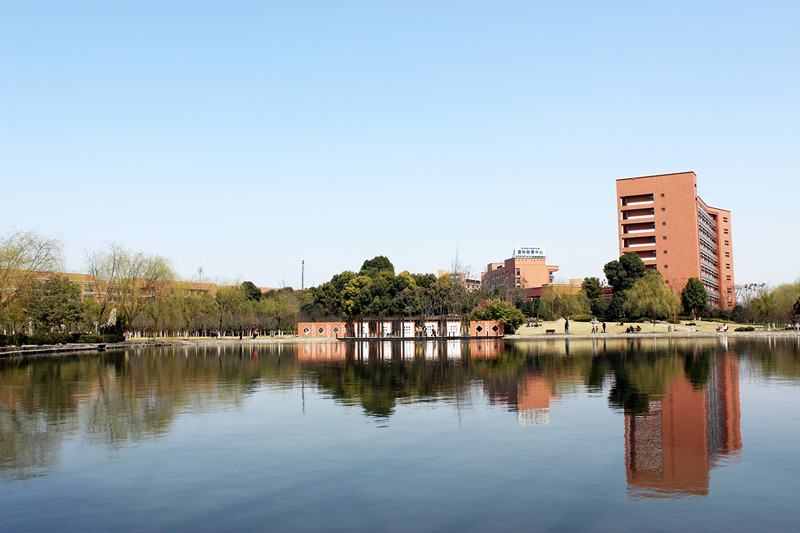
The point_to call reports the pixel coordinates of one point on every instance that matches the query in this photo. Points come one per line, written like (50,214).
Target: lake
(551,435)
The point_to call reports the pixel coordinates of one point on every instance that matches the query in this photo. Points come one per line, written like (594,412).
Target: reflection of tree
(379,387)
(116,398)
(120,397)
(27,446)
(638,378)
(779,357)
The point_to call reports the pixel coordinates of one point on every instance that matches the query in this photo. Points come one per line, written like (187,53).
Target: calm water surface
(623,435)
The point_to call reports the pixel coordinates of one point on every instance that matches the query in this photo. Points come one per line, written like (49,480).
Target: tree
(355,297)
(559,303)
(651,297)
(143,278)
(55,304)
(502,312)
(694,297)
(23,257)
(128,279)
(234,309)
(623,274)
(253,293)
(786,296)
(104,268)
(372,267)
(796,312)
(592,288)
(763,305)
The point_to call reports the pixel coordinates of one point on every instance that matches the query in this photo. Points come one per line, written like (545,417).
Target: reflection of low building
(533,407)
(530,398)
(485,348)
(321,351)
(670,450)
(401,328)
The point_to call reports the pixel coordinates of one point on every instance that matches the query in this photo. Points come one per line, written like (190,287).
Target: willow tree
(24,256)
(650,297)
(131,280)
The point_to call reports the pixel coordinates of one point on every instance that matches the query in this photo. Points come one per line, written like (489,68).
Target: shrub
(89,338)
(581,318)
(745,328)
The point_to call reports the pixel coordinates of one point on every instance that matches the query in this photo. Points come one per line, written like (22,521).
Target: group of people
(596,325)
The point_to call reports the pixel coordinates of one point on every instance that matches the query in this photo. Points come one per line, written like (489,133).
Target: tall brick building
(672,229)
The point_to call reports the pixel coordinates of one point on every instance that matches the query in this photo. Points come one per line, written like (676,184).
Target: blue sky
(245,137)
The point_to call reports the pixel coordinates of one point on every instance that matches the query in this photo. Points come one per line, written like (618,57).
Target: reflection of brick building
(530,398)
(670,450)
(321,351)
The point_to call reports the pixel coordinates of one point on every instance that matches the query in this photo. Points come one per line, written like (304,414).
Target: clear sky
(245,137)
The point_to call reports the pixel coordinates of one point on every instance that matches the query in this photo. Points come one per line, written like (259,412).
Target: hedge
(21,339)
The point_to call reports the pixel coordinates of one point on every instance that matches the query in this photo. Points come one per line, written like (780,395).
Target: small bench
(550,331)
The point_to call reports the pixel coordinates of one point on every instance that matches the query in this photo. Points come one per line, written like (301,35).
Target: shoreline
(28,351)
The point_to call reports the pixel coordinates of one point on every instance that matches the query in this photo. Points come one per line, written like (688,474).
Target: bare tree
(24,256)
(104,268)
(128,280)
(745,293)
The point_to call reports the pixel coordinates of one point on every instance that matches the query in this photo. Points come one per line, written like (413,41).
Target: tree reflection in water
(115,398)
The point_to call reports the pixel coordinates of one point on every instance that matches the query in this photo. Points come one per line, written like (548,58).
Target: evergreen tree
(694,297)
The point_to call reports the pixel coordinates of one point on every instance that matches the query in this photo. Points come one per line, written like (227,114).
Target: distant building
(93,289)
(573,287)
(471,284)
(526,268)
(672,229)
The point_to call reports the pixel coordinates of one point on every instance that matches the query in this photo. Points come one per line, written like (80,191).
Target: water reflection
(671,446)
(678,402)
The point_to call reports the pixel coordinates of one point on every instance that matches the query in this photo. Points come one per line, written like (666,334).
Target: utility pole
(303,275)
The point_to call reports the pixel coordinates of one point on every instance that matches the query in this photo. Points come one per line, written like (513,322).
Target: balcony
(638,242)
(639,199)
(638,228)
(638,214)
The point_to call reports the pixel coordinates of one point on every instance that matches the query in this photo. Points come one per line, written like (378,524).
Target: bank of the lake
(68,349)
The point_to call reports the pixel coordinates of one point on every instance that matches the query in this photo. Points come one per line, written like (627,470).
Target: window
(663,208)
(664,237)
(724,219)
(666,266)
(726,231)
(665,251)
(663,223)
(662,195)
(727,254)
(728,277)
(651,197)
(728,266)
(727,243)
